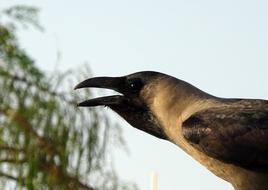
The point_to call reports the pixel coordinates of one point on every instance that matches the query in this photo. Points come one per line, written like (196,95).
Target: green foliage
(23,15)
(46,142)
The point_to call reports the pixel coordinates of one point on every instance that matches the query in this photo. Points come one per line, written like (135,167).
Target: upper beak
(113,83)
(101,82)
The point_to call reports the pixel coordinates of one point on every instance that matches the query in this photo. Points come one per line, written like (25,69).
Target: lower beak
(102,101)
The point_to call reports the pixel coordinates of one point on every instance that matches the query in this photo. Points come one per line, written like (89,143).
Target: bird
(228,136)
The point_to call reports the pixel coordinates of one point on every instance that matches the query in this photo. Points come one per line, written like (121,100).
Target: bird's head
(133,104)
(150,101)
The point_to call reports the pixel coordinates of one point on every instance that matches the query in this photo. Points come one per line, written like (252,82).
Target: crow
(228,136)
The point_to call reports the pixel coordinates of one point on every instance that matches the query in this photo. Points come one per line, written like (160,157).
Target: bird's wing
(232,135)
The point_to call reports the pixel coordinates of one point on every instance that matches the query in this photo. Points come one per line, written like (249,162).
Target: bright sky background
(219,46)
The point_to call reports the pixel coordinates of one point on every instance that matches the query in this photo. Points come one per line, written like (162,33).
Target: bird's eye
(134,85)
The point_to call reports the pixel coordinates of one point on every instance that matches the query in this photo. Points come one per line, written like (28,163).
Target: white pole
(153,181)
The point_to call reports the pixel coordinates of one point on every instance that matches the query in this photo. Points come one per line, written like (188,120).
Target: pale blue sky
(219,46)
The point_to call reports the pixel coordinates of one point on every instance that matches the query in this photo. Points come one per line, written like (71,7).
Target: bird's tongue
(102,101)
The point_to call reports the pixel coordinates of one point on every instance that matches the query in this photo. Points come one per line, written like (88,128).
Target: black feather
(234,133)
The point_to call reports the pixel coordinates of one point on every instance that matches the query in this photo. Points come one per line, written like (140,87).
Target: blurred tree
(45,141)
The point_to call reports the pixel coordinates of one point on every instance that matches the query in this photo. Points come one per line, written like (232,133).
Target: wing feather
(232,134)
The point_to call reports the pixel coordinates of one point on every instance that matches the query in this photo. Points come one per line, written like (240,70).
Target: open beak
(112,83)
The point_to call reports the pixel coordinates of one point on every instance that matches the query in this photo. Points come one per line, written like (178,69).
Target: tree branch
(46,144)
(73,183)
(12,161)
(49,148)
(41,88)
(10,177)
(10,149)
